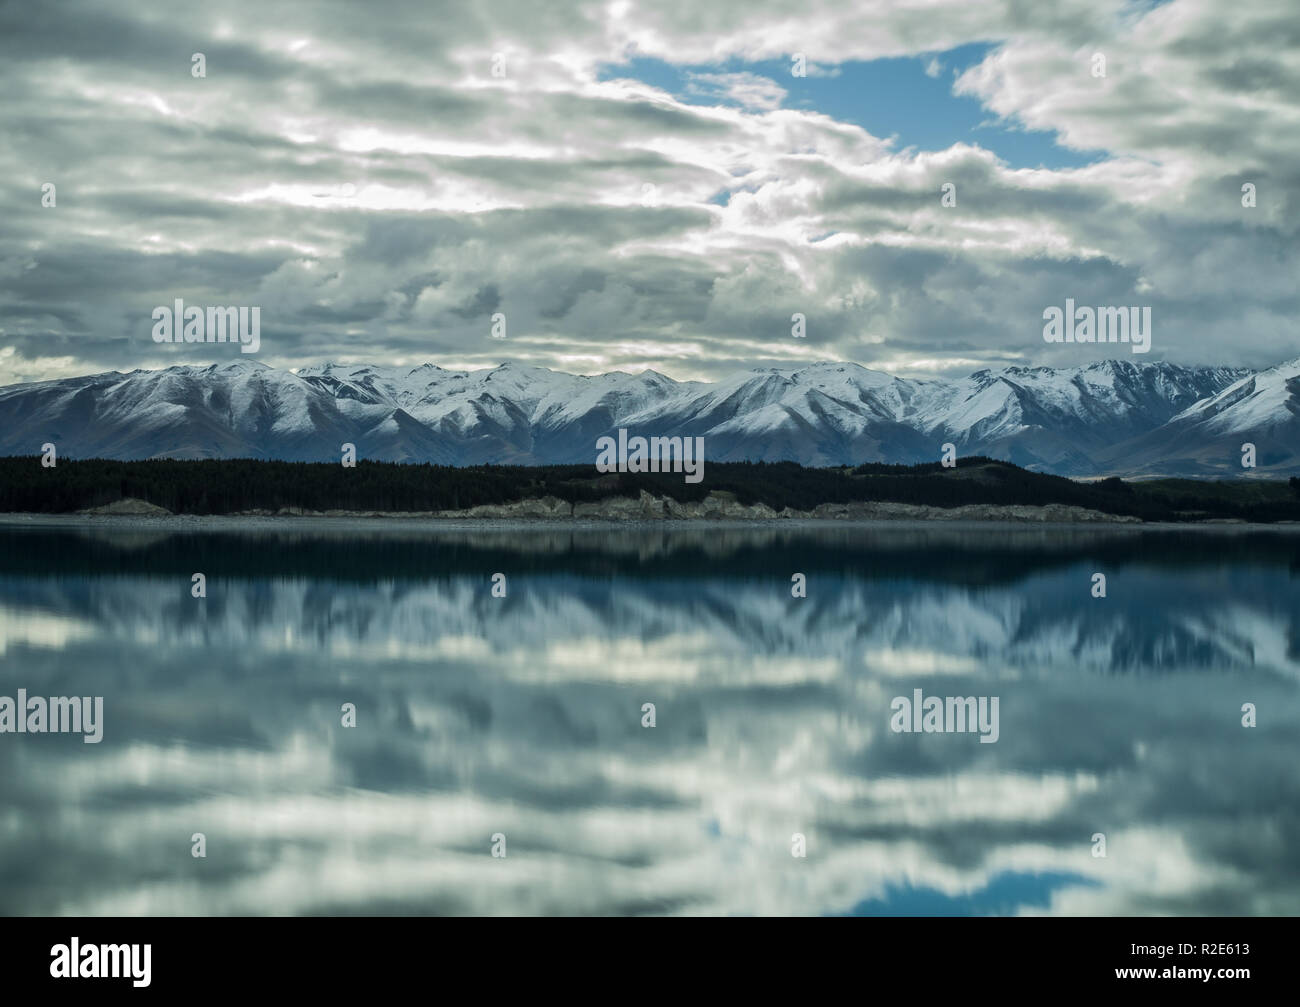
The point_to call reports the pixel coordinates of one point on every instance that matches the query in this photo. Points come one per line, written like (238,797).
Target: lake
(502,760)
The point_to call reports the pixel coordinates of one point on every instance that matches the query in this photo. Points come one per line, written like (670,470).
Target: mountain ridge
(1111,417)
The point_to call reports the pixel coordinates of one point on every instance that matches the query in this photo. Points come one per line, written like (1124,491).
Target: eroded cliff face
(714,507)
(129,506)
(720,507)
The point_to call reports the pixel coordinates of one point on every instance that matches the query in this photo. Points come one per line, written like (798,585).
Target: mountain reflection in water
(523,716)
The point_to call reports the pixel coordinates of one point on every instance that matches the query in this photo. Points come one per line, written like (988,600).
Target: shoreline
(407,522)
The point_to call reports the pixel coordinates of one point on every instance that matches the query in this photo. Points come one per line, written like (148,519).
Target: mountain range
(1110,417)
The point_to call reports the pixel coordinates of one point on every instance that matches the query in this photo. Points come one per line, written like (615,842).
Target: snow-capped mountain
(1111,416)
(1066,419)
(1208,436)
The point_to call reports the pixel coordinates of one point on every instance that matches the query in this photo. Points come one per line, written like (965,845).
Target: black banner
(337,956)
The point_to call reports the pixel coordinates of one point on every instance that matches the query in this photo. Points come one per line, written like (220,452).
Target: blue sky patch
(890,98)
(1005,894)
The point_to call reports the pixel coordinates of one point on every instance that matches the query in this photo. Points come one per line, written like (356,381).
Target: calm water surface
(523,716)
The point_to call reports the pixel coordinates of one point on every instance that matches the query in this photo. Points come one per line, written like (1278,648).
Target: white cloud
(748,89)
(424,191)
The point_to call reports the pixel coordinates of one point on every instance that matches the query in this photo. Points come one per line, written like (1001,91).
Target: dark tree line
(234,485)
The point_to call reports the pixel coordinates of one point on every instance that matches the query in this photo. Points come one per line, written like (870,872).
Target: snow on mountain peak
(825,412)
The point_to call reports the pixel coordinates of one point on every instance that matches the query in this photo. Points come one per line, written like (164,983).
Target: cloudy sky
(647,185)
